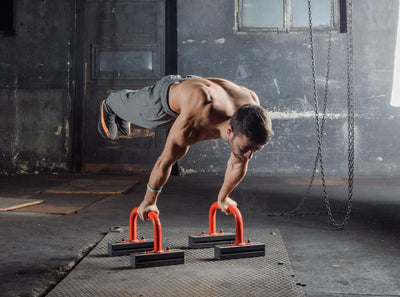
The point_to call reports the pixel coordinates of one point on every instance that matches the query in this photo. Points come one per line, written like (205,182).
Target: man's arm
(235,171)
(174,150)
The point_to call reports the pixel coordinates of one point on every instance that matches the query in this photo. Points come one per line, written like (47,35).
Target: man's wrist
(153,190)
(222,197)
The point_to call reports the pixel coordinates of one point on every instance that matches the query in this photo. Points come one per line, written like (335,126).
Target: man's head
(250,130)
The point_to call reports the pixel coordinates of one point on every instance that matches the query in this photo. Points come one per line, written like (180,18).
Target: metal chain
(320,125)
(319,157)
(350,107)
(350,103)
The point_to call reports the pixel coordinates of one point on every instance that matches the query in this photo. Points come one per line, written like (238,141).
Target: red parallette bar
(238,220)
(239,224)
(158,256)
(239,249)
(213,237)
(156,226)
(133,245)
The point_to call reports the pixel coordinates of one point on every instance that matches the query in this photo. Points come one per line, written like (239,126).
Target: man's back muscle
(208,104)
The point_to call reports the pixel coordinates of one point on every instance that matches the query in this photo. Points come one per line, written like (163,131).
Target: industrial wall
(35,66)
(37,88)
(277,66)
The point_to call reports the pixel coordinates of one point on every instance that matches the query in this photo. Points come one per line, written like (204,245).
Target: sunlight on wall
(395,101)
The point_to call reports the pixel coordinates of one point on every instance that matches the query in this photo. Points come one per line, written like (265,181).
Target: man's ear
(230,130)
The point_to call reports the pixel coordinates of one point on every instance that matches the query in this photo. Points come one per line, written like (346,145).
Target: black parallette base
(173,257)
(207,241)
(127,248)
(255,249)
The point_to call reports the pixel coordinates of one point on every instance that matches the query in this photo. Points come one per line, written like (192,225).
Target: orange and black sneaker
(107,125)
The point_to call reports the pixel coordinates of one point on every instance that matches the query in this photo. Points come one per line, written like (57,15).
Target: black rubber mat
(100,275)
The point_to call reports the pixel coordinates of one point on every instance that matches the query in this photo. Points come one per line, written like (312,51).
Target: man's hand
(224,204)
(144,208)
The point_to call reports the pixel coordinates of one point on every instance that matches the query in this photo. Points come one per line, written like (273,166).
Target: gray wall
(278,68)
(36,84)
(34,88)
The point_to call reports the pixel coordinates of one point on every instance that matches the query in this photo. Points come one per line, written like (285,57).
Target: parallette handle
(156,226)
(238,221)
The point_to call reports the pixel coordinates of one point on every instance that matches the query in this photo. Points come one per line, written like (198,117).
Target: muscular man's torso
(207,105)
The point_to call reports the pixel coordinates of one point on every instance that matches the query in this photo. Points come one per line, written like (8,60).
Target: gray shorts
(148,107)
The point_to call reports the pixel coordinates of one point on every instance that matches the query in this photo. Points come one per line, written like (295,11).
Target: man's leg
(109,123)
(123,126)
(144,108)
(106,125)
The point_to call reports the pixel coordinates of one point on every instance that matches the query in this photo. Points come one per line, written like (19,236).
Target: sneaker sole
(102,127)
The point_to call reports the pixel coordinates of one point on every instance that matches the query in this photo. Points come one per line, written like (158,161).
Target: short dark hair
(254,122)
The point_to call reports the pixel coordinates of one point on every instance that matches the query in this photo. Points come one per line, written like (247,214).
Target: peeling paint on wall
(34,88)
(278,91)
(291,115)
(59,130)
(188,41)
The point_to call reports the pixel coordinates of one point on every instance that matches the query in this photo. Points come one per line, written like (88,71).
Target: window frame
(339,20)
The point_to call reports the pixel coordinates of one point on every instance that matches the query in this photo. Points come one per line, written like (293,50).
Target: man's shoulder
(236,93)
(213,97)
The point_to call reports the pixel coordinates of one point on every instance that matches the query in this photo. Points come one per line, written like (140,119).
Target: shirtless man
(196,109)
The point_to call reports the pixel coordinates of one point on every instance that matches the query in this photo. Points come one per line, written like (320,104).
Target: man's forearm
(158,178)
(235,172)
(173,152)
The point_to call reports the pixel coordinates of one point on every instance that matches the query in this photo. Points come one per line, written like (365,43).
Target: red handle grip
(238,220)
(156,226)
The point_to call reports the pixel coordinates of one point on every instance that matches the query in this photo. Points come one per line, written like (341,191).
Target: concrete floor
(361,260)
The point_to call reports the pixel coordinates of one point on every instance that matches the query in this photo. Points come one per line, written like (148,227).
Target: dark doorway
(7,16)
(122,45)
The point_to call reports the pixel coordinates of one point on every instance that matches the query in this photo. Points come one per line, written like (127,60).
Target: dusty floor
(40,246)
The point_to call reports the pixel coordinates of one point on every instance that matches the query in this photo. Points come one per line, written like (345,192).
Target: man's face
(242,147)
